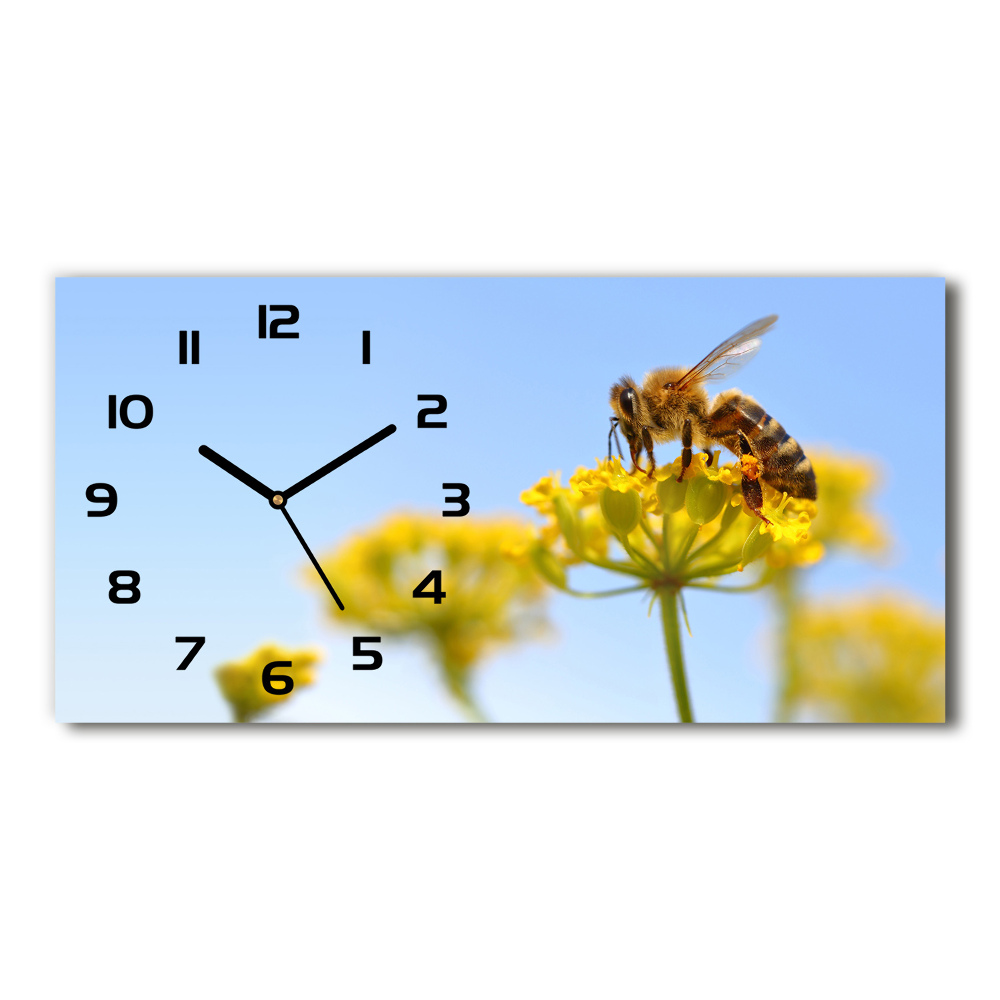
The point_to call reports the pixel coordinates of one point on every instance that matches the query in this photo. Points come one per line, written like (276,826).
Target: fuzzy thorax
(669,406)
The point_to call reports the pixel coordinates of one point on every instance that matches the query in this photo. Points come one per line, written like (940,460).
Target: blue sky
(853,364)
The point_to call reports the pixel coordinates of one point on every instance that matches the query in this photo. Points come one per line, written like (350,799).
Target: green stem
(469,708)
(699,552)
(675,654)
(649,533)
(617,565)
(472,711)
(456,679)
(684,612)
(715,569)
(764,580)
(711,543)
(678,559)
(786,588)
(636,555)
(604,593)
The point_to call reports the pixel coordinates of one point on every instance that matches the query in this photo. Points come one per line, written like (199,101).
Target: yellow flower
(871,659)
(242,682)
(843,519)
(673,533)
(540,495)
(490,591)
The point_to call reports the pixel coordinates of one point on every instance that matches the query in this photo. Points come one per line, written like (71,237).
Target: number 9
(111,499)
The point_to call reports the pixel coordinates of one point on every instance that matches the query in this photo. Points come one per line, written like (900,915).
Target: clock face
(338,499)
(214,438)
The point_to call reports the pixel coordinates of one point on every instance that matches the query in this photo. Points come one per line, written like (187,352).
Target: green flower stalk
(663,535)
(872,659)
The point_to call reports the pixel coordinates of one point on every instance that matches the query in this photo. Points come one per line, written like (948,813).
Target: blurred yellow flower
(242,682)
(491,592)
(844,520)
(879,658)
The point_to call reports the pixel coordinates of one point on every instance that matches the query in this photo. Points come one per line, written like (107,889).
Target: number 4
(434,576)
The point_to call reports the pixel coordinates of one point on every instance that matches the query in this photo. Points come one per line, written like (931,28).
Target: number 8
(131,587)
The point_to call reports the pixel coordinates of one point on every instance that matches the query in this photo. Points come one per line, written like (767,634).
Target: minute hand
(339,461)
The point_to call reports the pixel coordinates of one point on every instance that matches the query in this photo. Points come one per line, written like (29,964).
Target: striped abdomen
(783,463)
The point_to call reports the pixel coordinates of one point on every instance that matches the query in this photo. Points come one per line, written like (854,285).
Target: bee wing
(731,354)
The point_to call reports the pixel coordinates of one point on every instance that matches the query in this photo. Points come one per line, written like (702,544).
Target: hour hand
(234,470)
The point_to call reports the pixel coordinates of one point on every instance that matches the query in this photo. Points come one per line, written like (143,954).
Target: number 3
(462,499)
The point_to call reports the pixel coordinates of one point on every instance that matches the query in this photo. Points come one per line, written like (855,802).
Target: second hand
(312,558)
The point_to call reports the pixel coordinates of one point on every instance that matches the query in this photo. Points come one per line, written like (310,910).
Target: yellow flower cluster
(844,520)
(242,682)
(673,532)
(491,592)
(677,531)
(871,659)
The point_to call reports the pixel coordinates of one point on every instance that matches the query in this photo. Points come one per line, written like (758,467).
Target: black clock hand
(312,558)
(338,462)
(234,470)
(276,501)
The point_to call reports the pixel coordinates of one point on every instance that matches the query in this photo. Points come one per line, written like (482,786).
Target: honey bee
(673,404)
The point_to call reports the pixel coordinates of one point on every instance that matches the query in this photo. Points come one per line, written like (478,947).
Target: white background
(541,138)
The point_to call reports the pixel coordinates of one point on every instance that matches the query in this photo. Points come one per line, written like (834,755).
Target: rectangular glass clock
(417,500)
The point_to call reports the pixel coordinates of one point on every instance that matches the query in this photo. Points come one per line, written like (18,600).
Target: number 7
(198,640)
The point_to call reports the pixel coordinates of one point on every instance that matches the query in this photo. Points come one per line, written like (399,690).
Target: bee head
(628,401)
(628,407)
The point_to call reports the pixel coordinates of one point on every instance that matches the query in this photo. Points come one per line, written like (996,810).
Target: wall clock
(212,436)
(227,449)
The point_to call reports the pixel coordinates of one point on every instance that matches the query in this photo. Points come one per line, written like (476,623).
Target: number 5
(373,653)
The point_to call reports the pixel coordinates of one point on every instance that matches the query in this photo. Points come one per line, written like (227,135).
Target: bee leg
(750,484)
(618,444)
(635,455)
(711,456)
(648,443)
(686,453)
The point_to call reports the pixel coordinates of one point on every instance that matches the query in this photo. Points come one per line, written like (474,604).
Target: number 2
(442,405)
